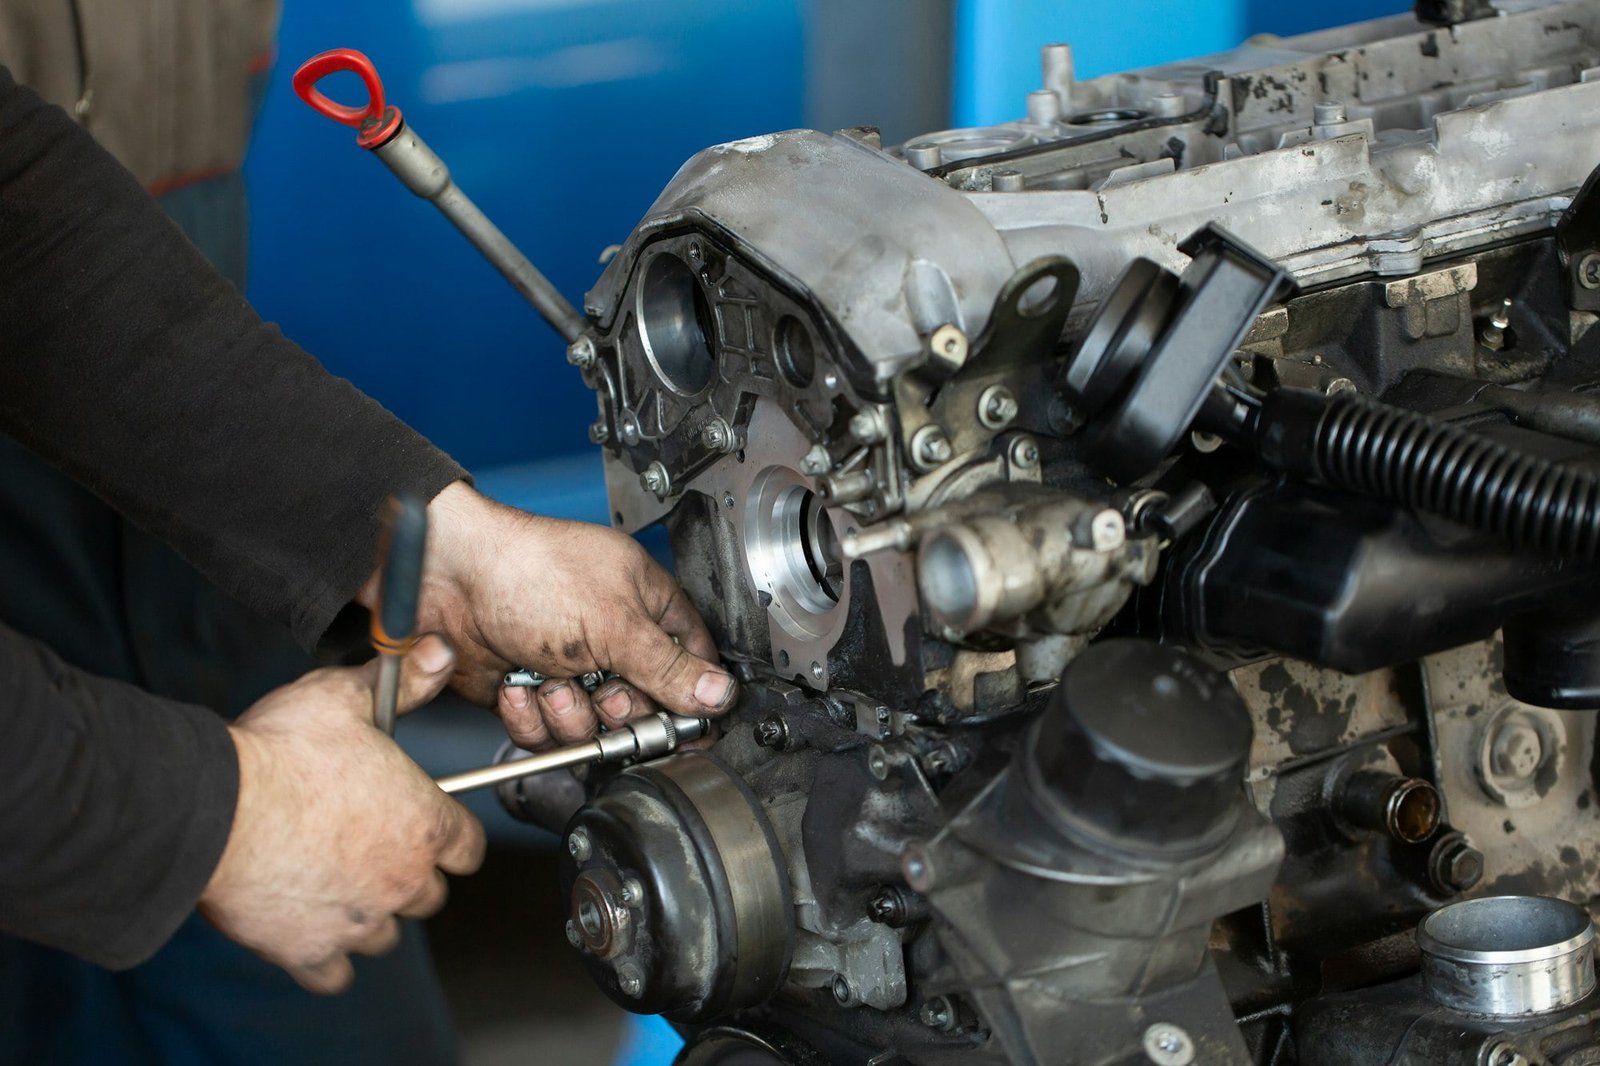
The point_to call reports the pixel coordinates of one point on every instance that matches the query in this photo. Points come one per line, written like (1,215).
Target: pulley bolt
(581,353)
(1589,271)
(866,427)
(574,937)
(996,407)
(816,461)
(771,732)
(655,479)
(931,446)
(938,1013)
(1518,750)
(632,894)
(1167,1045)
(578,845)
(717,436)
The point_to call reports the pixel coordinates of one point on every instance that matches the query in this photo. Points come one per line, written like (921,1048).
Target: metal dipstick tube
(383,131)
(645,738)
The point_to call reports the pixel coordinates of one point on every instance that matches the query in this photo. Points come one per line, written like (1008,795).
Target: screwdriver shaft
(485,776)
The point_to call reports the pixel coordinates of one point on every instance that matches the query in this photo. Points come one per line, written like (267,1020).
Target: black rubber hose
(1359,445)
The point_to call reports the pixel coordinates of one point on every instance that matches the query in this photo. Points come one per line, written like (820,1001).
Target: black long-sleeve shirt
(127,362)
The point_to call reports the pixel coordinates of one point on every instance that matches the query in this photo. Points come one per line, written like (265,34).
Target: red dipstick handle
(376,121)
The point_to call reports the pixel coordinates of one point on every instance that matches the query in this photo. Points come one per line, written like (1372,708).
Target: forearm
(114,807)
(129,363)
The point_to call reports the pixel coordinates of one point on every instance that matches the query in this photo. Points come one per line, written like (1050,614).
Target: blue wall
(562,118)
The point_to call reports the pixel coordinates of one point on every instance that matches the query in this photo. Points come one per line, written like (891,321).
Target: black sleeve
(114,807)
(126,361)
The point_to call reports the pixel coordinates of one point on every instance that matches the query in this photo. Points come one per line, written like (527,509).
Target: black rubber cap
(1143,746)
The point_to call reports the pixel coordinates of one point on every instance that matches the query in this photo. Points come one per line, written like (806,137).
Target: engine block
(1157,541)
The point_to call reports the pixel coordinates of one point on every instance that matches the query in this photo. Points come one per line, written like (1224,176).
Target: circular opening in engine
(1413,811)
(1500,928)
(791,348)
(676,325)
(1111,116)
(1038,298)
(793,551)
(948,582)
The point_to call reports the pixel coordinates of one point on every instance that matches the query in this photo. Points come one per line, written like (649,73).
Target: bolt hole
(1039,297)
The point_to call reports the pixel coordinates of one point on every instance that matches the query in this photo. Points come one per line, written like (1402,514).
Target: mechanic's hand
(562,598)
(336,831)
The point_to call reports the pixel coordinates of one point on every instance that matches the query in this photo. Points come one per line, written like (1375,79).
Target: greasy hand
(562,598)
(336,831)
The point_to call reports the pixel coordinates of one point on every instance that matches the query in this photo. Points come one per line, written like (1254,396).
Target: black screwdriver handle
(401,547)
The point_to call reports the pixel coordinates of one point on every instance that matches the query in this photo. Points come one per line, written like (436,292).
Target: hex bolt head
(939,1013)
(1455,865)
(632,894)
(630,980)
(771,732)
(885,907)
(1166,1044)
(878,762)
(628,428)
(655,479)
(1107,531)
(574,937)
(581,353)
(816,461)
(717,435)
(1589,271)
(997,407)
(930,447)
(578,845)
(866,427)
(1024,453)
(599,432)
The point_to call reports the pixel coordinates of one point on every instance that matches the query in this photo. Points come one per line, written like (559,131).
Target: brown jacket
(165,85)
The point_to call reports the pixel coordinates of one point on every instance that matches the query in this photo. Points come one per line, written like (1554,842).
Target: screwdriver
(394,624)
(644,738)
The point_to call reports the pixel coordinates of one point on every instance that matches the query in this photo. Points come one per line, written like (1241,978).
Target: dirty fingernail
(558,697)
(713,689)
(517,698)
(433,655)
(617,704)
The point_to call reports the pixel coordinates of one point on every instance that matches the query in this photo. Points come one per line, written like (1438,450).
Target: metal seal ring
(1508,956)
